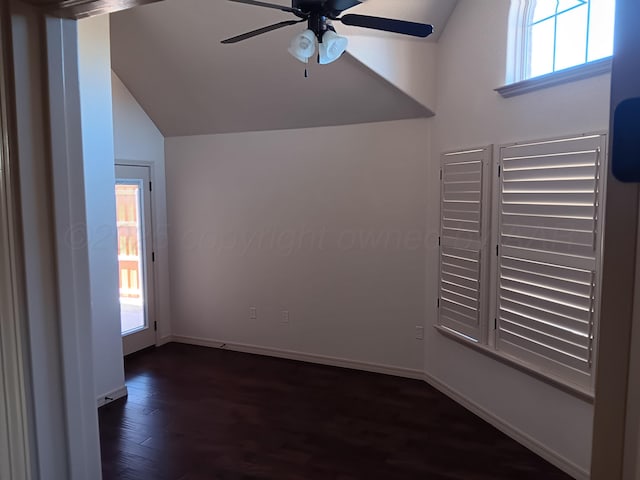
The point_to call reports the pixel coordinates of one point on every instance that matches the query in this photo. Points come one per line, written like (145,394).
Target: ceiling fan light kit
(303,46)
(332,47)
(318,14)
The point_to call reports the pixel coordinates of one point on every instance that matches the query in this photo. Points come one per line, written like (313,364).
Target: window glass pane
(565,5)
(571,43)
(601,29)
(128,207)
(542,48)
(544,9)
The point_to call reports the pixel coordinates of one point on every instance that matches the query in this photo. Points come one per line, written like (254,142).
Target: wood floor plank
(195,413)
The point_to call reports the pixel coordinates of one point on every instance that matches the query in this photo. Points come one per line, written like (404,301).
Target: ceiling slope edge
(407,64)
(420,111)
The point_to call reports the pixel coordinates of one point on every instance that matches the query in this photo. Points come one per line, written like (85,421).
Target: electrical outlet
(419,333)
(285,317)
(253,313)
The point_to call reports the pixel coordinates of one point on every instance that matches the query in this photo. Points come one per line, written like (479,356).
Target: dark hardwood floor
(201,414)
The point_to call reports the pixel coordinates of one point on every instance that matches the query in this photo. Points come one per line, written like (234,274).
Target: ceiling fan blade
(269,5)
(260,31)
(422,30)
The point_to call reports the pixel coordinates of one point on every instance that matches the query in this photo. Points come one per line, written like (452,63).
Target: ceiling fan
(319,15)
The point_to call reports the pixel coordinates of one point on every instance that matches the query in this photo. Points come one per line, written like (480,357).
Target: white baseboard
(112,396)
(303,357)
(163,340)
(515,433)
(505,427)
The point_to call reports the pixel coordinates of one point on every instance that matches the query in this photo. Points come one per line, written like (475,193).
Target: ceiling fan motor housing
(329,8)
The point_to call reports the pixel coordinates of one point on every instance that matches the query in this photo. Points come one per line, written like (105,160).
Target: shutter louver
(463,216)
(549,198)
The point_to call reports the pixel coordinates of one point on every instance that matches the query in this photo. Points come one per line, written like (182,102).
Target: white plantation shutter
(463,246)
(549,218)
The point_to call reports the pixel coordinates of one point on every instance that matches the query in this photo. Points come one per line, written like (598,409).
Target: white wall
(138,141)
(99,176)
(279,220)
(408,63)
(471,63)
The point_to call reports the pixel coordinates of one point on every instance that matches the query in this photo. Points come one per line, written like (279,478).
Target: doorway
(135,257)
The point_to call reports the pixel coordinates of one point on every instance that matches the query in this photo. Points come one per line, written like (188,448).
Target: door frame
(151,267)
(616,453)
(17,431)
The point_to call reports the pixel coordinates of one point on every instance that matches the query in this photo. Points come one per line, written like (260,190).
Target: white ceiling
(169,56)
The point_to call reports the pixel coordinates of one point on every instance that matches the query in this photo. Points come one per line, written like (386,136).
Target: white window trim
(488,347)
(519,15)
(560,77)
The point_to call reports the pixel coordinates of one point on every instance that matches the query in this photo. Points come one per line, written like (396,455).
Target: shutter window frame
(464,238)
(548,219)
(535,252)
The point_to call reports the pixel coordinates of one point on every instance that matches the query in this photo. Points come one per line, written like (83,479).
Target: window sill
(572,389)
(580,72)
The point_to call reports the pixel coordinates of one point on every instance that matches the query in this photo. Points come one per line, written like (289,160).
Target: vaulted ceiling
(169,56)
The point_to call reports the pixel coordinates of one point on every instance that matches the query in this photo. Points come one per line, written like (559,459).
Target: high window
(557,34)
